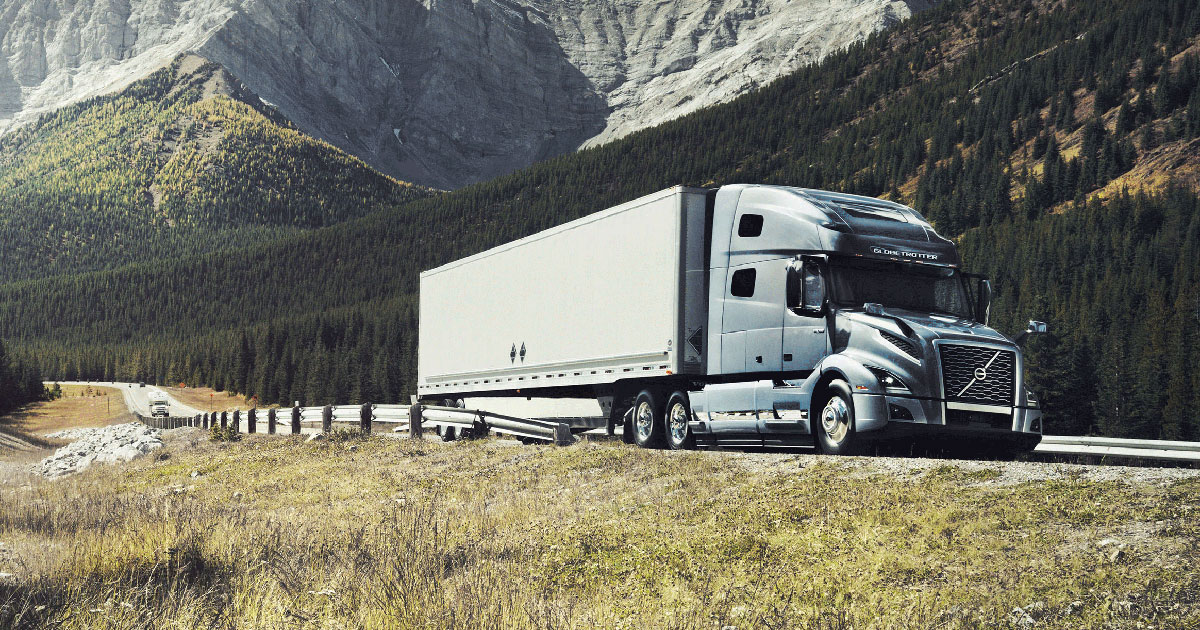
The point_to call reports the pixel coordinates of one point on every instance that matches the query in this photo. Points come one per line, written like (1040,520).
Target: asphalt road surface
(137,398)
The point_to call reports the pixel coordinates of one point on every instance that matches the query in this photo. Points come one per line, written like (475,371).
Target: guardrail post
(414,422)
(327,420)
(237,420)
(563,436)
(224,419)
(364,419)
(207,421)
(252,421)
(296,420)
(272,419)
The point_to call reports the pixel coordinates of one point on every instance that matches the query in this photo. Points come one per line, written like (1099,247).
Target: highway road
(137,398)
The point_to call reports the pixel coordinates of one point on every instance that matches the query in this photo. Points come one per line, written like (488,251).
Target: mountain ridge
(1015,172)
(437,92)
(185,161)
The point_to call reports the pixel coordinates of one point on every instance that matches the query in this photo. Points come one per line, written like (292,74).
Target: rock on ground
(116,443)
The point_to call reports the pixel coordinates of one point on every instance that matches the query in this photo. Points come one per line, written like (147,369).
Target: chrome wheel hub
(678,422)
(835,419)
(644,420)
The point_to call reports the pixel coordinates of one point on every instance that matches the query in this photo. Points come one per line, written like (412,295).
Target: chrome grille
(962,367)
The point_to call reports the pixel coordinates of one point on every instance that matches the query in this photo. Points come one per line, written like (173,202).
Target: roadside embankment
(382,533)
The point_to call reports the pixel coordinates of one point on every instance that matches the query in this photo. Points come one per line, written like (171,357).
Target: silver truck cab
(843,317)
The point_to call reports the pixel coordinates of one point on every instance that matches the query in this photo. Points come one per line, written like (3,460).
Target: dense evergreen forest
(182,162)
(1058,142)
(20,383)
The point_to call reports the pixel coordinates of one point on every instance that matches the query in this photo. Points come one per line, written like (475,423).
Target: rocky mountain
(437,92)
(184,161)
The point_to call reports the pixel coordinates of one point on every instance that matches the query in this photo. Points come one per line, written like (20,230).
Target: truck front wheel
(835,421)
(648,429)
(679,432)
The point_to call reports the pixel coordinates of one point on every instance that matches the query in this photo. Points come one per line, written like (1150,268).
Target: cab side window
(743,283)
(750,225)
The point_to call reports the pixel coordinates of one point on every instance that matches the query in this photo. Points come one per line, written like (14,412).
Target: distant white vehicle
(159,407)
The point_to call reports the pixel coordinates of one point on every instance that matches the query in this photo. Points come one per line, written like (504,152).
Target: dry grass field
(207,399)
(385,533)
(80,406)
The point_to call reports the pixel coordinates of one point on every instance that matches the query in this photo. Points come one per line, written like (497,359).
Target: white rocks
(316,437)
(440,93)
(112,444)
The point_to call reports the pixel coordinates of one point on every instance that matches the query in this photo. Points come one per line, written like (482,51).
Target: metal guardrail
(453,422)
(450,422)
(1156,450)
(479,423)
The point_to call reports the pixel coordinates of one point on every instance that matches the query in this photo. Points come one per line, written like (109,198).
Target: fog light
(899,413)
(1036,425)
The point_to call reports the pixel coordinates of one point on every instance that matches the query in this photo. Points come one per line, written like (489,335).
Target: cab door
(806,339)
(752,323)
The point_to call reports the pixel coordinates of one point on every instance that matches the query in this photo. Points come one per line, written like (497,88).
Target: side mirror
(983,308)
(1034,328)
(806,293)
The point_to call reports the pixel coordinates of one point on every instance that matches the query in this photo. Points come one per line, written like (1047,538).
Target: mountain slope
(184,161)
(1005,121)
(439,92)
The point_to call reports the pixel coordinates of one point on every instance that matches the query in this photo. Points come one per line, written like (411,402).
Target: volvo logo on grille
(980,373)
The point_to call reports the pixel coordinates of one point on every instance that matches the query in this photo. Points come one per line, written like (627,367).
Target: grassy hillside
(182,162)
(1023,128)
(273,532)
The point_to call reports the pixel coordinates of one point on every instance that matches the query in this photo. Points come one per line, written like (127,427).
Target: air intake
(903,344)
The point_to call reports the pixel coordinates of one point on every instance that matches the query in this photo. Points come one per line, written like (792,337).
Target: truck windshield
(899,285)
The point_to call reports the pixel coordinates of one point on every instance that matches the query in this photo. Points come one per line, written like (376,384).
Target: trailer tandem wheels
(744,315)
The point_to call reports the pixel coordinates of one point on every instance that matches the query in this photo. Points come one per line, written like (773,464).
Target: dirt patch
(973,472)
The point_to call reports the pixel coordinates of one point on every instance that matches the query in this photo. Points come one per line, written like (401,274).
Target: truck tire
(679,432)
(648,426)
(835,420)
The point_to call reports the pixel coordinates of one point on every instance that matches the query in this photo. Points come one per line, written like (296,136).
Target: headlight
(1031,398)
(890,381)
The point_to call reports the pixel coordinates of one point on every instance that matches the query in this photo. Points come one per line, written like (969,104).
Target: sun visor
(939,252)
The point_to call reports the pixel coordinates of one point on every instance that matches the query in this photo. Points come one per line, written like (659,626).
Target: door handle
(758,359)
(787,357)
(818,331)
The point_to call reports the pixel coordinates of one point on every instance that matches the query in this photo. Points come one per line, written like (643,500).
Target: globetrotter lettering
(893,252)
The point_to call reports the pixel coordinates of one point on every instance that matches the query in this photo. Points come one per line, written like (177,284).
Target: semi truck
(746,315)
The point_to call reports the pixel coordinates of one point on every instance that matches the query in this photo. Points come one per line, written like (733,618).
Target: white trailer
(576,306)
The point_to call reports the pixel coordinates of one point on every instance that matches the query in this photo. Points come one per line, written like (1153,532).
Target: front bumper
(876,412)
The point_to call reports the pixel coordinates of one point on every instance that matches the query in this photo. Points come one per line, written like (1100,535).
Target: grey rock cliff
(438,92)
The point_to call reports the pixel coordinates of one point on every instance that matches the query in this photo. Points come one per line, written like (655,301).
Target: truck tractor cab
(837,317)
